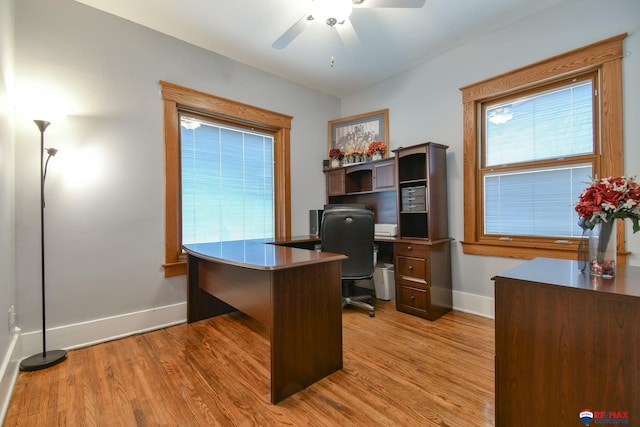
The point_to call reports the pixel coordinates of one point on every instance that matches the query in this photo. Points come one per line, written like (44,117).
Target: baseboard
(462,301)
(106,329)
(9,373)
(473,304)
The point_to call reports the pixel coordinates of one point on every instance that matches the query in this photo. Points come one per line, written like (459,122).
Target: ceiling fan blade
(348,35)
(294,31)
(400,4)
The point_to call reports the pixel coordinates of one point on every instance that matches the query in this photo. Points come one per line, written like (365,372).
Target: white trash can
(384,283)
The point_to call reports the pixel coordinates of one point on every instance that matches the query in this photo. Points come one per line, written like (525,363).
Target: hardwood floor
(399,370)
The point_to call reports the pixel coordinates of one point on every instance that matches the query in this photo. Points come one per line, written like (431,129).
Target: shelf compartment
(358,181)
(413,167)
(414,224)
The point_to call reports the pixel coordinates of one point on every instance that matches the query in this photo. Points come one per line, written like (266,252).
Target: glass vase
(377,155)
(602,250)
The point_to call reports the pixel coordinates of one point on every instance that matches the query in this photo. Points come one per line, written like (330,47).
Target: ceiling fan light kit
(335,13)
(331,11)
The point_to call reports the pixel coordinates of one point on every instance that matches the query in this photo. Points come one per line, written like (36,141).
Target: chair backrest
(350,231)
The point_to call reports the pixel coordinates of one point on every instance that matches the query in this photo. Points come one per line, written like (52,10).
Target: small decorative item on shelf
(376,150)
(346,160)
(335,155)
(600,205)
(359,156)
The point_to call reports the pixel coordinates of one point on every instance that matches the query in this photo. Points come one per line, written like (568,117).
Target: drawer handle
(409,248)
(412,297)
(411,268)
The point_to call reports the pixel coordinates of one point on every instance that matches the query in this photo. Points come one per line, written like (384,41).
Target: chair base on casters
(357,301)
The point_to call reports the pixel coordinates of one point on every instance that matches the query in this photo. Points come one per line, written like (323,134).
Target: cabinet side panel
(437,198)
(440,280)
(560,350)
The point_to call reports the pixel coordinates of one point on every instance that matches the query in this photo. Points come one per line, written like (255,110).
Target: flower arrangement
(376,146)
(607,199)
(335,153)
(604,201)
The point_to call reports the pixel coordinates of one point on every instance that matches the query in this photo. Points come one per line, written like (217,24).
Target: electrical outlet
(12,318)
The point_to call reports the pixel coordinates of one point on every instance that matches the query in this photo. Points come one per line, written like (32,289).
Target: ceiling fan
(335,13)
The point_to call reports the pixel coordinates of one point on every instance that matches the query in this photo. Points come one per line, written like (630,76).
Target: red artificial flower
(610,198)
(335,153)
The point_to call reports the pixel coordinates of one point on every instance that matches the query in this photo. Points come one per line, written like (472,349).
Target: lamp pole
(45,359)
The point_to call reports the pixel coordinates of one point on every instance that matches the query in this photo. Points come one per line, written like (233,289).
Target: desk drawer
(411,250)
(412,299)
(411,267)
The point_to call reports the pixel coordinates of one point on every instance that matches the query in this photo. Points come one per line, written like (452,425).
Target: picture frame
(357,132)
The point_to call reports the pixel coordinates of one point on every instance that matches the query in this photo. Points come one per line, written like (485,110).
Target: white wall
(425,104)
(8,338)
(105,188)
(7,251)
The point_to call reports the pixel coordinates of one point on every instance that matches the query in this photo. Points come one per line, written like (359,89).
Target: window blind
(227,182)
(537,200)
(553,124)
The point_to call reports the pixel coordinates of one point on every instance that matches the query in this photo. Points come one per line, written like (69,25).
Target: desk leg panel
(201,304)
(306,332)
(245,289)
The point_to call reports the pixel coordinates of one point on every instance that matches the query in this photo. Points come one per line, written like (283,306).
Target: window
(539,154)
(226,182)
(533,137)
(236,120)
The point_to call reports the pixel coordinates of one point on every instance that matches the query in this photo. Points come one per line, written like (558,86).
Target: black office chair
(349,231)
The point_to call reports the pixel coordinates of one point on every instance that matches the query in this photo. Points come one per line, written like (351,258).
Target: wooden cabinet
(361,178)
(372,184)
(422,260)
(335,182)
(566,341)
(422,191)
(384,175)
(423,277)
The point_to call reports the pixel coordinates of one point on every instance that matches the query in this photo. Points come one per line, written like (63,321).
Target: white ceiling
(391,39)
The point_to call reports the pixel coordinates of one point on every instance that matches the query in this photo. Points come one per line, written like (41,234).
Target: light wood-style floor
(399,370)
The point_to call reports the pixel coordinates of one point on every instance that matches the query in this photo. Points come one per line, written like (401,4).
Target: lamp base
(39,361)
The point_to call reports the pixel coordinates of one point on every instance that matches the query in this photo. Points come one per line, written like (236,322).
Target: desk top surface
(566,273)
(261,254)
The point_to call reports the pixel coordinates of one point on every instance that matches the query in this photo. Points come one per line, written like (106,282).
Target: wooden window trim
(605,57)
(176,99)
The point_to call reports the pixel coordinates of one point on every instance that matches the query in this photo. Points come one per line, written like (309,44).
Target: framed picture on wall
(355,133)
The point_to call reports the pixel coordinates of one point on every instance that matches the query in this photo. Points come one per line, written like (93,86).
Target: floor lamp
(45,359)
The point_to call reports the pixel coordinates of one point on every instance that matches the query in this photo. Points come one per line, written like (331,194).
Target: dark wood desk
(565,342)
(294,292)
